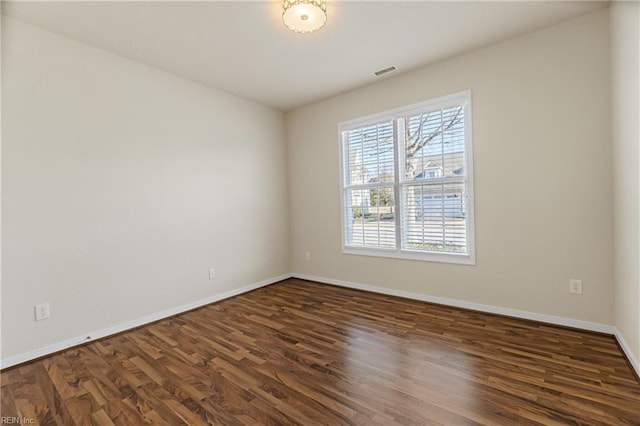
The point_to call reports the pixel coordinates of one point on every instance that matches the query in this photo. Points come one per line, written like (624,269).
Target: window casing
(407,182)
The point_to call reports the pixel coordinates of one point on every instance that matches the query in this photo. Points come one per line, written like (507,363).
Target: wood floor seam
(305,353)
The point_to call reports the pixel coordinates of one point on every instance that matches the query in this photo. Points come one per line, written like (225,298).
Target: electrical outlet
(307,257)
(42,311)
(212,274)
(575,286)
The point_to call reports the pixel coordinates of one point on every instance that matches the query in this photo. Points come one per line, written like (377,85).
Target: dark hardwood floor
(299,352)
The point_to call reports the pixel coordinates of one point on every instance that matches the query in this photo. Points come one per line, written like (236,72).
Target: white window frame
(456,99)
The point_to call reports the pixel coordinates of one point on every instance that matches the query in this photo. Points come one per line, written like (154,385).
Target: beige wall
(625,73)
(541,135)
(122,185)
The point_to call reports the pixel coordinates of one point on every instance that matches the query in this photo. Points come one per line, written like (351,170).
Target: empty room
(310,212)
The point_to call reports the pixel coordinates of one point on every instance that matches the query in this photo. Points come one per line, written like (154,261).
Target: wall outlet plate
(575,286)
(212,274)
(42,311)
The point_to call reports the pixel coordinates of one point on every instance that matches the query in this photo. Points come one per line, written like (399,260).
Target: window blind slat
(432,212)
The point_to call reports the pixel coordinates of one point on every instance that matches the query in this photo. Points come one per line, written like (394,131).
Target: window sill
(460,259)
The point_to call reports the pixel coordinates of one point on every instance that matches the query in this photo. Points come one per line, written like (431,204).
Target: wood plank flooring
(305,353)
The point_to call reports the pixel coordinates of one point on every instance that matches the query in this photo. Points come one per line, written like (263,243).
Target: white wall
(625,73)
(541,134)
(122,185)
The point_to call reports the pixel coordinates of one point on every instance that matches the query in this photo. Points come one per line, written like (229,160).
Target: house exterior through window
(407,182)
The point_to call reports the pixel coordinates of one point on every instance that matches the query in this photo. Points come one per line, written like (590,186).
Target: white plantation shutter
(369,187)
(434,217)
(407,182)
(434,183)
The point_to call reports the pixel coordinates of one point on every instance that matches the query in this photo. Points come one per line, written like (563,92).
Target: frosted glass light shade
(304,16)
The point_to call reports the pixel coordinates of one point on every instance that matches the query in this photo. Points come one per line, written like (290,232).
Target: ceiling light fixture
(304,16)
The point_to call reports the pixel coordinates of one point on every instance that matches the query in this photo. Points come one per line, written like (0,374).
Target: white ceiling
(242,47)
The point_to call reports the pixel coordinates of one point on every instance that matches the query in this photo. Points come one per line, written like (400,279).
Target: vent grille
(384,71)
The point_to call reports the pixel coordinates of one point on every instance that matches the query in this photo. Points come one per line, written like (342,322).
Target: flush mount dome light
(304,16)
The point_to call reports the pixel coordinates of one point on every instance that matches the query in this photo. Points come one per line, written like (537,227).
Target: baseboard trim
(627,351)
(550,319)
(105,332)
(99,334)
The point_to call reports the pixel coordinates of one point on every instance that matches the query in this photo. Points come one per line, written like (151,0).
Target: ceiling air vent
(384,71)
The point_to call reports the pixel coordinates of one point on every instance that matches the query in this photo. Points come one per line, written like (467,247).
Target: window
(407,182)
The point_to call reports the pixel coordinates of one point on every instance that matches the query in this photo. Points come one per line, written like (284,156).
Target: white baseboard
(550,319)
(567,322)
(37,353)
(585,325)
(627,351)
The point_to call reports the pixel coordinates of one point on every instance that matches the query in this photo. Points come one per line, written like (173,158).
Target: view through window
(407,182)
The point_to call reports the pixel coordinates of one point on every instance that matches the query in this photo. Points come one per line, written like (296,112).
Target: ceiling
(242,47)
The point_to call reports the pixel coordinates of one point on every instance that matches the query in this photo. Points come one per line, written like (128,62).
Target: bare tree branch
(417,143)
(423,119)
(416,140)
